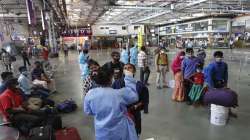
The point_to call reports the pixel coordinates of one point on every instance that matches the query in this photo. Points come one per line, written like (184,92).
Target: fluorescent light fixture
(28,12)
(43,24)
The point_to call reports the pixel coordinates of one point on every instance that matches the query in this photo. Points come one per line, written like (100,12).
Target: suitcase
(70,133)
(42,133)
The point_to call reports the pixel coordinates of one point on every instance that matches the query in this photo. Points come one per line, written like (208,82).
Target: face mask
(26,73)
(127,73)
(218,59)
(198,70)
(94,74)
(188,55)
(181,57)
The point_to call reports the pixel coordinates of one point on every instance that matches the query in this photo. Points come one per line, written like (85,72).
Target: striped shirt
(142,59)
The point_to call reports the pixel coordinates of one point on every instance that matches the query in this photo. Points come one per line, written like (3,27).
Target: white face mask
(127,73)
(218,59)
(181,57)
(198,70)
(26,73)
(188,55)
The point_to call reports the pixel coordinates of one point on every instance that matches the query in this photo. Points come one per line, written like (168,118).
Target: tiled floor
(167,120)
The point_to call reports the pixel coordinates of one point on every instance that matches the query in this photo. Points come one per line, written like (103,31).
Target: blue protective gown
(109,108)
(215,71)
(83,62)
(124,56)
(133,55)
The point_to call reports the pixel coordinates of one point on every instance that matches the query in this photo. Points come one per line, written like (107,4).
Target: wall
(114,30)
(242,21)
(13,28)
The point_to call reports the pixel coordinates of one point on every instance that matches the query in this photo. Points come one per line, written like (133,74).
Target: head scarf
(176,65)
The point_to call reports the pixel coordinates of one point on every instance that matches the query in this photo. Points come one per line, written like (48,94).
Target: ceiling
(89,12)
(167,11)
(14,9)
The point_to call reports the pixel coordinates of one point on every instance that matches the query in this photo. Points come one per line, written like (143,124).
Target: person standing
(178,93)
(88,82)
(188,70)
(65,49)
(109,107)
(25,58)
(216,70)
(201,54)
(197,89)
(6,58)
(143,65)
(133,55)
(83,62)
(116,66)
(124,55)
(79,48)
(161,64)
(143,94)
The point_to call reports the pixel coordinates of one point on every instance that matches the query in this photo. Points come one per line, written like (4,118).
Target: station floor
(167,120)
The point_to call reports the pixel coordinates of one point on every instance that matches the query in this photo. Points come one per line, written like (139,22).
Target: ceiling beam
(136,7)
(166,12)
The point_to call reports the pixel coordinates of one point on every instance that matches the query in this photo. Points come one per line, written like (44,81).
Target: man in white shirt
(143,65)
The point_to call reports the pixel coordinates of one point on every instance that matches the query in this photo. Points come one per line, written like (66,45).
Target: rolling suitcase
(70,133)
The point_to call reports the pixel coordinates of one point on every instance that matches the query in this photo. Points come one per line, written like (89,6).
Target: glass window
(200,26)
(220,25)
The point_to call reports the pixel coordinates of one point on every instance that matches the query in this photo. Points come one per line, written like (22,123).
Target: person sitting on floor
(26,85)
(14,110)
(5,76)
(39,78)
(10,99)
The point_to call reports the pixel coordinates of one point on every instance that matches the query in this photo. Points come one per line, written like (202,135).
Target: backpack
(67,106)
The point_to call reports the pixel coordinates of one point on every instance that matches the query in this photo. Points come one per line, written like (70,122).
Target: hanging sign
(140,38)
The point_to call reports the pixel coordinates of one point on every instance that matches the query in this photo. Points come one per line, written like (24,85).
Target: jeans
(161,75)
(144,74)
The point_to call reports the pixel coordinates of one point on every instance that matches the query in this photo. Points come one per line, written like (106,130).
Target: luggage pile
(48,126)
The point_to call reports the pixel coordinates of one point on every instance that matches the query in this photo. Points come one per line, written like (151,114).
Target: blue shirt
(109,108)
(124,56)
(3,87)
(133,55)
(189,66)
(83,58)
(216,71)
(25,84)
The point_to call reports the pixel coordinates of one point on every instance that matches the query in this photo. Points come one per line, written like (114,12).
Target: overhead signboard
(77,32)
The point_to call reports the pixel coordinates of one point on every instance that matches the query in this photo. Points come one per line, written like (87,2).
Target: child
(198,81)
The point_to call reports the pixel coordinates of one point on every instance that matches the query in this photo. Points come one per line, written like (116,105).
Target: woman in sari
(178,94)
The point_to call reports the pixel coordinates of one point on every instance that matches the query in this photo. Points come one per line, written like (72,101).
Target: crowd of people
(24,96)
(116,99)
(111,92)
